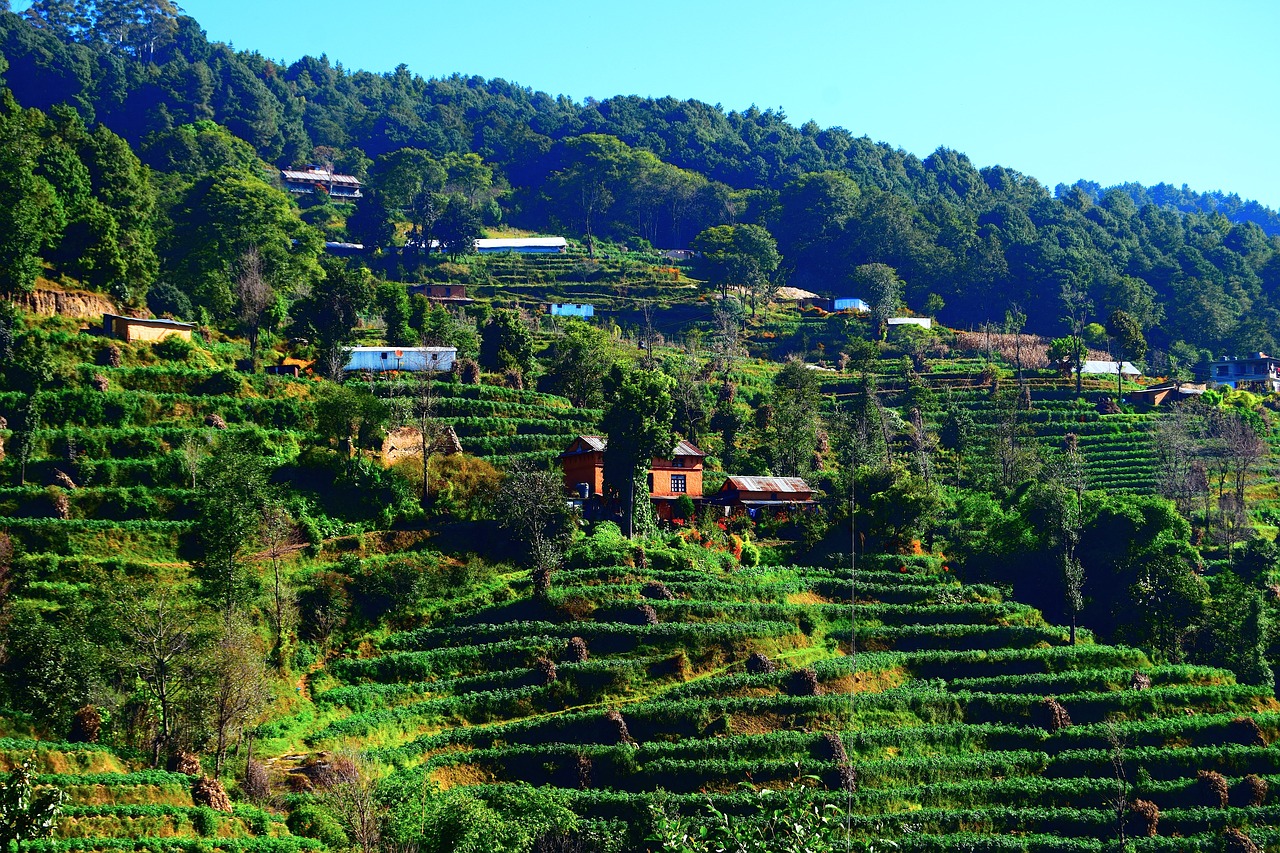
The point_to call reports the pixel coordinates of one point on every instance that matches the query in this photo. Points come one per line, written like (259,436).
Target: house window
(678,484)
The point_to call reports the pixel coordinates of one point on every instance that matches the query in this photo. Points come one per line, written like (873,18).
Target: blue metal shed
(413,359)
(570,310)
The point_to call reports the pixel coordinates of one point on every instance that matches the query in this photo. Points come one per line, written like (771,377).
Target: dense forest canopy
(1199,272)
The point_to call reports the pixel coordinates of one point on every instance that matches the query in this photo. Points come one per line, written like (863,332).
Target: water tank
(584,490)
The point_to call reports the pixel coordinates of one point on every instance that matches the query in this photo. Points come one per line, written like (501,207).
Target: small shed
(756,493)
(922,322)
(141,329)
(568,309)
(411,359)
(1165,393)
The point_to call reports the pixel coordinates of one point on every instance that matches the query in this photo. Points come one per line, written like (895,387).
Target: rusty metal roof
(781,485)
(600,442)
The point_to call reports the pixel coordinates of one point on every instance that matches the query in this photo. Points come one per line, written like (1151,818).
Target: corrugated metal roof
(319,175)
(1109,367)
(521,242)
(768,484)
(684,448)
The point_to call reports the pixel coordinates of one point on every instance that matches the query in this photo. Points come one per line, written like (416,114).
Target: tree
(237,688)
(530,504)
(1076,309)
(30,212)
(228,522)
(331,312)
(579,364)
(279,536)
(883,290)
(160,636)
(507,343)
(1126,336)
(254,296)
(740,255)
(793,433)
(393,302)
(221,217)
(585,191)
(458,228)
(637,420)
(27,813)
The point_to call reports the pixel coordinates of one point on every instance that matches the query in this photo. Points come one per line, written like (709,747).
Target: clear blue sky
(1175,91)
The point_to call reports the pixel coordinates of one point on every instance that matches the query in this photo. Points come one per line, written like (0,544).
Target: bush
(311,821)
(173,348)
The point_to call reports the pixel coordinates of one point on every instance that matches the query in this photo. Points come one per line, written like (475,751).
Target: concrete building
(567,309)
(669,479)
(1258,369)
(922,322)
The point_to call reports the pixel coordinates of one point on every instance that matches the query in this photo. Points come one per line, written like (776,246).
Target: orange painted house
(669,479)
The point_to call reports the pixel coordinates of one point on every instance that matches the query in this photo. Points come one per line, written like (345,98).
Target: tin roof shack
(412,359)
(139,329)
(452,294)
(763,493)
(567,309)
(307,181)
(669,478)
(1166,393)
(1108,368)
(1256,370)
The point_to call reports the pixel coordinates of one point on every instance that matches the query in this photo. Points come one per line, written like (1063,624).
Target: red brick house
(756,493)
(669,478)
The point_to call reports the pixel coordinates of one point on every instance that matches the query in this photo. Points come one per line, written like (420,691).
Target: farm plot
(949,717)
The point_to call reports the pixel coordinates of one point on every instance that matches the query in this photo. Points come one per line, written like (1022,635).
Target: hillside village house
(763,493)
(669,478)
(141,329)
(307,181)
(410,359)
(1258,369)
(569,309)
(449,294)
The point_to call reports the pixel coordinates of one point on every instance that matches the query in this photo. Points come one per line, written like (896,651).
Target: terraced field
(933,720)
(110,806)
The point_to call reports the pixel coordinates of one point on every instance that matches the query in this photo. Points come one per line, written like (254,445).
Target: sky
(1125,90)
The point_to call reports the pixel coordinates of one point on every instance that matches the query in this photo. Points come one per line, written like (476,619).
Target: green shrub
(173,348)
(311,821)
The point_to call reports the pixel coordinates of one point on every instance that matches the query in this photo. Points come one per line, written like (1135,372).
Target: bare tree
(1076,308)
(160,634)
(1120,803)
(726,319)
(238,686)
(349,790)
(418,411)
(194,450)
(279,536)
(255,295)
(1245,449)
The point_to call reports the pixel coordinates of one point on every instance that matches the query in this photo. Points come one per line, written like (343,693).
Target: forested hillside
(1197,271)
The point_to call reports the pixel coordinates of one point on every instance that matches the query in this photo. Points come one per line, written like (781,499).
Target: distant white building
(922,322)
(523,245)
(412,359)
(1108,368)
